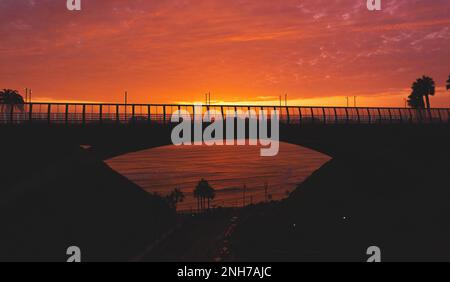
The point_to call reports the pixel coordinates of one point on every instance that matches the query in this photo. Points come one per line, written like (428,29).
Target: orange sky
(161,51)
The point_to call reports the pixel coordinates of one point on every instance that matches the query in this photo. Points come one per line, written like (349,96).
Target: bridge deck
(76,113)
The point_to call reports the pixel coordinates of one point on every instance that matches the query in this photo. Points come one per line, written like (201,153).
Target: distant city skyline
(248,51)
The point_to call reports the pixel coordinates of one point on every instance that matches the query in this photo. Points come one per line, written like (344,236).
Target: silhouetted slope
(392,193)
(78,201)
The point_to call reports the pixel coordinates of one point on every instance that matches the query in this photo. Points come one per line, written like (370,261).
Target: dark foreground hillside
(389,191)
(55,196)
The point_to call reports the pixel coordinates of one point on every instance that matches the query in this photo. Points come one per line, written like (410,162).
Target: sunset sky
(161,51)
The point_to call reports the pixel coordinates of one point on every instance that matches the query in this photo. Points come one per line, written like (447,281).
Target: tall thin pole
(347,101)
(29,95)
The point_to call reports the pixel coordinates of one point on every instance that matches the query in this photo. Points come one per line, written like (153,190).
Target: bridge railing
(75,113)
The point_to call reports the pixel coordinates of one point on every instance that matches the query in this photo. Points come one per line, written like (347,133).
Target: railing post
(347,116)
(288,116)
(11,115)
(410,116)
(369,116)
(49,113)
(164,114)
(390,116)
(401,116)
(117,114)
(84,114)
(101,113)
(312,115)
(223,114)
(440,116)
(335,116)
(133,113)
(66,116)
(379,116)
(324,116)
(149,113)
(359,117)
(300,115)
(30,113)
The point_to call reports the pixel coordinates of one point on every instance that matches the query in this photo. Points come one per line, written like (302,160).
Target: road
(198,238)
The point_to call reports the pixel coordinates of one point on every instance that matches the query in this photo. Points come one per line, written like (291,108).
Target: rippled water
(227,168)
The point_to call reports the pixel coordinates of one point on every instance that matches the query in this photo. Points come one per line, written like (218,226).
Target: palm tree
(448,83)
(9,99)
(210,195)
(422,88)
(415,100)
(429,88)
(175,197)
(202,192)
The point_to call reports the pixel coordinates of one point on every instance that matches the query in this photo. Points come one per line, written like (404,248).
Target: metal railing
(78,113)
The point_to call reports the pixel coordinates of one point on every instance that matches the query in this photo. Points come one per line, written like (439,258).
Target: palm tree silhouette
(175,197)
(210,195)
(448,83)
(203,191)
(9,99)
(415,100)
(423,87)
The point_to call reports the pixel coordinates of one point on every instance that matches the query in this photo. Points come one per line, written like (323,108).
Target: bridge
(389,173)
(88,114)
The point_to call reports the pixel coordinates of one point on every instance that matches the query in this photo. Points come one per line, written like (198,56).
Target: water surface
(228,169)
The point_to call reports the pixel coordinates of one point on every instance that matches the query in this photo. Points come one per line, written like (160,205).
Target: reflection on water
(227,168)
